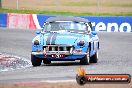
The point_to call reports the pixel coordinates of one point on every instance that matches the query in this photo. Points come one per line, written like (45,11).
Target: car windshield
(68,26)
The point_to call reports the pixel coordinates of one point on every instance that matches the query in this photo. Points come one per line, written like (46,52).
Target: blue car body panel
(62,38)
(66,39)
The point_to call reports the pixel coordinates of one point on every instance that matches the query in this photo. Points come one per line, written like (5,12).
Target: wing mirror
(94,32)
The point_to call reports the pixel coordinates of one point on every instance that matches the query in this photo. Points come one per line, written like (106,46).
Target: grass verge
(101,4)
(62,13)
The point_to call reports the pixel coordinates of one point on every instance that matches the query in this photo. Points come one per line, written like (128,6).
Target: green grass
(84,3)
(81,4)
(117,5)
(62,13)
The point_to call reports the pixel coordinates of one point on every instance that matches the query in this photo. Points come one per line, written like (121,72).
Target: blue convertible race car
(65,38)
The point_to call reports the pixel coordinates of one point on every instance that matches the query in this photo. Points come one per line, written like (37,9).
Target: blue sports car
(65,38)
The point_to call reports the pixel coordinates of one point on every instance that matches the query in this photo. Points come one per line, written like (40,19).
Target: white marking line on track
(57,81)
(46,81)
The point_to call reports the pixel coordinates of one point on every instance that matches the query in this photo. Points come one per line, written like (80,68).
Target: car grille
(58,48)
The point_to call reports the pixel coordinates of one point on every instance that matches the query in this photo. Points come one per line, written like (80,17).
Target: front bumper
(62,52)
(68,56)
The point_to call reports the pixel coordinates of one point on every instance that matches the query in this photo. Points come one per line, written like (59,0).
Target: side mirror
(94,32)
(38,32)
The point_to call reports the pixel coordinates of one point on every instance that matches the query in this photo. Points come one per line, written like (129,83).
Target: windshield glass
(68,26)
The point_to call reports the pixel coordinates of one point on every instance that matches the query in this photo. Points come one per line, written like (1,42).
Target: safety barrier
(20,21)
(3,20)
(111,23)
(35,21)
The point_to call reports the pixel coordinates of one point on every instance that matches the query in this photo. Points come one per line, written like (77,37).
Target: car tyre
(94,58)
(35,61)
(85,60)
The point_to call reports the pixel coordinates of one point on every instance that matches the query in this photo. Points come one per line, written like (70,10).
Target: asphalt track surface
(115,57)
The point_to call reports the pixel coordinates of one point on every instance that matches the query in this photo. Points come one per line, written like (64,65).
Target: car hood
(62,38)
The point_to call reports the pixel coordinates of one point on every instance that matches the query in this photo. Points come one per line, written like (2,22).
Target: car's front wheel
(85,60)
(35,61)
(94,58)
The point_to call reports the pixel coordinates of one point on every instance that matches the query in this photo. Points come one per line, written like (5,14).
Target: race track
(115,56)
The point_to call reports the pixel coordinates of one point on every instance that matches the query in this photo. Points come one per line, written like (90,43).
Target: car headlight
(81,43)
(36,42)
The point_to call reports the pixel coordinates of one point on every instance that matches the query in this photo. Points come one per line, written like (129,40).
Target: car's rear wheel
(85,60)
(94,58)
(46,62)
(35,61)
